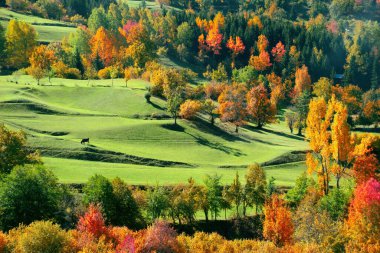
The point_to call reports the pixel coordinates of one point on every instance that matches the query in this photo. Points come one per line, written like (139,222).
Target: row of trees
(117,37)
(303,218)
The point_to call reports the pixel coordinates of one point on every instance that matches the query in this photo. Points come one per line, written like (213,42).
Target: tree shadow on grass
(173,127)
(206,127)
(265,130)
(156,105)
(217,146)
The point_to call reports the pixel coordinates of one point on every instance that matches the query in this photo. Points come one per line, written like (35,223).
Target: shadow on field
(156,106)
(173,127)
(217,146)
(206,127)
(264,130)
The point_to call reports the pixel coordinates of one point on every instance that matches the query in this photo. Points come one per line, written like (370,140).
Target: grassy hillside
(128,140)
(48,30)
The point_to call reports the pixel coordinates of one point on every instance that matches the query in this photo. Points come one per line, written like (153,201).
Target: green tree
(185,35)
(235,193)
(298,192)
(256,186)
(21,39)
(97,19)
(29,193)
(174,91)
(99,190)
(336,203)
(302,108)
(271,188)
(158,202)
(128,213)
(214,194)
(13,150)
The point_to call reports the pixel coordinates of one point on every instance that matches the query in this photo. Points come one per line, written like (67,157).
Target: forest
(269,109)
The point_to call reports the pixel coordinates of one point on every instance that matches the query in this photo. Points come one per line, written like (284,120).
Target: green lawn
(74,171)
(119,122)
(48,30)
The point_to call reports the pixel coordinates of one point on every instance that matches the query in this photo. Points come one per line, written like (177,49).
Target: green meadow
(136,140)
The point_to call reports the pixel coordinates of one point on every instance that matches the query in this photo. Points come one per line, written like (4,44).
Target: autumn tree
(278,226)
(255,186)
(259,107)
(262,43)
(21,39)
(362,225)
(131,73)
(260,62)
(232,105)
(302,81)
(14,150)
(317,130)
(41,61)
(366,163)
(190,108)
(102,46)
(278,52)
(237,47)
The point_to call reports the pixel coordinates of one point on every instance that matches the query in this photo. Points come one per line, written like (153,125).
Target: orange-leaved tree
(103,46)
(303,81)
(278,226)
(237,47)
(41,61)
(260,62)
(278,52)
(190,108)
(232,105)
(259,107)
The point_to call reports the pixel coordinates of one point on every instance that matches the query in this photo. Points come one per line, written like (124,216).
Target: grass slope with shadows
(124,134)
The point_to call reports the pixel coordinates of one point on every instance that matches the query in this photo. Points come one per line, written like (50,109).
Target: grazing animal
(86,140)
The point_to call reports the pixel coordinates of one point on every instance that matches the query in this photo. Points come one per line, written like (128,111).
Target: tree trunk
(300,131)
(212,120)
(175,120)
(237,129)
(206,214)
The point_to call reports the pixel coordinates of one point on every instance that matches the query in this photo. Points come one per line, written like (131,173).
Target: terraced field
(134,139)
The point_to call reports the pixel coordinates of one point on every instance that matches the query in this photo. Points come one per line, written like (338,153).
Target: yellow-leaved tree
(21,40)
(334,150)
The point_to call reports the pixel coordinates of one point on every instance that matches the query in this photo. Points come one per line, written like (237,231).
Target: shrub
(39,237)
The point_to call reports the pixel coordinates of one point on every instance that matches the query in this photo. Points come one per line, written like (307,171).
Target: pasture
(133,139)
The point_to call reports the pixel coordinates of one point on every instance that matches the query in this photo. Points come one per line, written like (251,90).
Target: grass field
(126,138)
(48,30)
